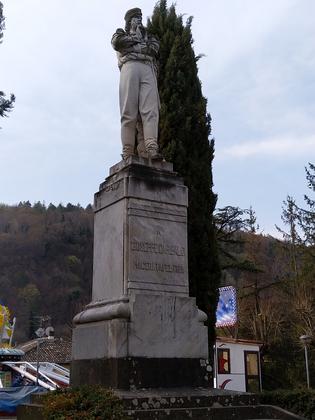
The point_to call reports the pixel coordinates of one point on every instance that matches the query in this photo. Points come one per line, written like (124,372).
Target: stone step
(181,404)
(184,398)
(261,412)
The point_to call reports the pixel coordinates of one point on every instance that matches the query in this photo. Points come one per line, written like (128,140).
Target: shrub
(86,402)
(299,401)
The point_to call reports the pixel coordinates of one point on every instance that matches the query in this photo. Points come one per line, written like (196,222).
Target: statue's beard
(139,30)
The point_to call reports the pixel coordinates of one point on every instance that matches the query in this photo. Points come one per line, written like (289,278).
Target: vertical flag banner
(227,307)
(5,325)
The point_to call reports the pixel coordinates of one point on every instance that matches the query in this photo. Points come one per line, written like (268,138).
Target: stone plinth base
(140,372)
(141,329)
(161,341)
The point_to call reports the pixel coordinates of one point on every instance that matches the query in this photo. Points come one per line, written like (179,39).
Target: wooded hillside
(45,263)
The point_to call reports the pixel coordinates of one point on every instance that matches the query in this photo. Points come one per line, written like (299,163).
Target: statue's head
(133,17)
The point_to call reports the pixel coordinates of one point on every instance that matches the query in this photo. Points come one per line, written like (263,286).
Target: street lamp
(306,339)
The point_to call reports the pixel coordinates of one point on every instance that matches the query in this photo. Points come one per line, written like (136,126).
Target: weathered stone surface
(140,372)
(158,326)
(141,328)
(166,326)
(198,403)
(97,340)
(104,310)
(137,160)
(140,240)
(191,397)
(207,413)
(157,257)
(182,403)
(108,267)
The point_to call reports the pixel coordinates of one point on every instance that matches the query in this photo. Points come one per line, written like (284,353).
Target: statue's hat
(132,13)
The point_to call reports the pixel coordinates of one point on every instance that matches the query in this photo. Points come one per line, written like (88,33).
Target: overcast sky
(258,74)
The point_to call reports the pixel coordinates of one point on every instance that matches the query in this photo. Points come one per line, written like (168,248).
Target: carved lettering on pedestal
(144,250)
(159,267)
(157,248)
(112,187)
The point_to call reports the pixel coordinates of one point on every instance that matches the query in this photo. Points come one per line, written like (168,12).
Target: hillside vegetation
(45,264)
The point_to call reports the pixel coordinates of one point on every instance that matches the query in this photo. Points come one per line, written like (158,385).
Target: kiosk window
(224,364)
(252,376)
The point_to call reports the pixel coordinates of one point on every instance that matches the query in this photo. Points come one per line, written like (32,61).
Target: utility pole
(306,339)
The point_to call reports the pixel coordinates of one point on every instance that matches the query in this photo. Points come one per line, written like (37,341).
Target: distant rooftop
(53,350)
(239,341)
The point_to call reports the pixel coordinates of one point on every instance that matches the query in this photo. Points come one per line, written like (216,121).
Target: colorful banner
(227,308)
(5,326)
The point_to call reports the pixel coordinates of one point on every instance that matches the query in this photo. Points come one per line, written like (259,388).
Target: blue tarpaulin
(10,398)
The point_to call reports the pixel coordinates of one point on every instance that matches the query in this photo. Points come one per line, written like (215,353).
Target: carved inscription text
(158,248)
(112,187)
(151,266)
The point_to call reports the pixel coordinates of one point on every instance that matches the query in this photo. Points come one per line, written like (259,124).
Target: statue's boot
(152,148)
(141,150)
(128,150)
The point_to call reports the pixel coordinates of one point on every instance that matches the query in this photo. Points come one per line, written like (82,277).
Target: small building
(238,364)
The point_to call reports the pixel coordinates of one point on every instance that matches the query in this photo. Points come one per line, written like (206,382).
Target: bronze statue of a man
(138,92)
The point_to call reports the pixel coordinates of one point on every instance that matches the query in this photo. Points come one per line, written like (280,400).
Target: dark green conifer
(184,140)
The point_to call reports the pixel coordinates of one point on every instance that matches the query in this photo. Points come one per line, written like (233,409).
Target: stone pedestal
(141,329)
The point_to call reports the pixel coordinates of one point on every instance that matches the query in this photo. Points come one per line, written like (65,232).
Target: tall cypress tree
(184,131)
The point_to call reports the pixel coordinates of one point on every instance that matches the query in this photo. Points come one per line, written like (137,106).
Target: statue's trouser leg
(140,139)
(129,106)
(149,108)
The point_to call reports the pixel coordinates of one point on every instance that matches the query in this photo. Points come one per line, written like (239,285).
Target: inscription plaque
(157,254)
